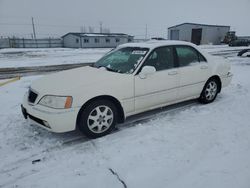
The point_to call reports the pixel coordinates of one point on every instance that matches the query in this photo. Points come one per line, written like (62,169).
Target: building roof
(187,23)
(151,44)
(97,34)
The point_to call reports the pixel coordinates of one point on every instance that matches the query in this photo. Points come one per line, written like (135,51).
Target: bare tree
(106,30)
(83,29)
(91,29)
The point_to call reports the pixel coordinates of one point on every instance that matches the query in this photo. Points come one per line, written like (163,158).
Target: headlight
(58,102)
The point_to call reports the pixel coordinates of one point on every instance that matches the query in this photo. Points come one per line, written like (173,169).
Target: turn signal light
(68,102)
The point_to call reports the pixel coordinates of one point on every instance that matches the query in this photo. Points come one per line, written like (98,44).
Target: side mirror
(146,71)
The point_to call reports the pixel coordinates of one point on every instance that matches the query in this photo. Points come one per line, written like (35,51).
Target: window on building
(107,40)
(97,40)
(117,40)
(77,40)
(86,40)
(129,40)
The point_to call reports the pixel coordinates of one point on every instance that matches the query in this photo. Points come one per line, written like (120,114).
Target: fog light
(46,124)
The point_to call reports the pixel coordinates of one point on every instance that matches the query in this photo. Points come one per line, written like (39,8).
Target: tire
(210,91)
(98,118)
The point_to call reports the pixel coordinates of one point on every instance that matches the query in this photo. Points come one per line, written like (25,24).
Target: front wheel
(209,91)
(98,118)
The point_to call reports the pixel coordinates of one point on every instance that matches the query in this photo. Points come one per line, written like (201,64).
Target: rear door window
(187,56)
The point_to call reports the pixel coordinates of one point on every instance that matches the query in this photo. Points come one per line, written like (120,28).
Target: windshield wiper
(109,69)
(112,70)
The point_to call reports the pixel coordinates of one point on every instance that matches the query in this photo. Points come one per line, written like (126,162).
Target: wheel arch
(116,102)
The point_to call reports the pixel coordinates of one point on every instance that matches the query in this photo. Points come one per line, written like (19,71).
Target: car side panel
(122,89)
(193,79)
(158,88)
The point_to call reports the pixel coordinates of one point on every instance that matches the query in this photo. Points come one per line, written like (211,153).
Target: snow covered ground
(56,56)
(192,146)
(48,56)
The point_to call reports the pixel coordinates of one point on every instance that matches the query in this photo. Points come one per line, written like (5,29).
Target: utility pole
(100,27)
(146,32)
(34,31)
(33,26)
(82,29)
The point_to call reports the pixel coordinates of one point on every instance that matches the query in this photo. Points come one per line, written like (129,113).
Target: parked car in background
(244,53)
(131,79)
(240,42)
(157,38)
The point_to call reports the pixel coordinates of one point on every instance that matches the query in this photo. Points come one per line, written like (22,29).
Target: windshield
(123,60)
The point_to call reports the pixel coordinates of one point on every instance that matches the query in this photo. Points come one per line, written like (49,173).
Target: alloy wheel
(100,119)
(211,90)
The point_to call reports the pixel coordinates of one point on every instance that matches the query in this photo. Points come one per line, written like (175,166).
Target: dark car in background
(240,42)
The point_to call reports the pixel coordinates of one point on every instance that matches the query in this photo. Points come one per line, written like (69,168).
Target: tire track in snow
(22,164)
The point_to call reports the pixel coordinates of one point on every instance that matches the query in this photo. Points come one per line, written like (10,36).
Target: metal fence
(4,43)
(30,43)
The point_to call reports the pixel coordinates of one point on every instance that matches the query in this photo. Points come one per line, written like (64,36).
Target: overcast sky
(57,17)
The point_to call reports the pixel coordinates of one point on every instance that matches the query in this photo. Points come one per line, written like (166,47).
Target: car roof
(156,43)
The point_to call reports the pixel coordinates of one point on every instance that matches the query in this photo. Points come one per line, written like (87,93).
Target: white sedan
(131,79)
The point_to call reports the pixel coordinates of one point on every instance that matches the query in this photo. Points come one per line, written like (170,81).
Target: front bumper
(54,120)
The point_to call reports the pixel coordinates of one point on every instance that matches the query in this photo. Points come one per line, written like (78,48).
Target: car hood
(64,82)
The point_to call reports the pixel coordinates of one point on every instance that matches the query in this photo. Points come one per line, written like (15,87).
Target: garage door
(174,35)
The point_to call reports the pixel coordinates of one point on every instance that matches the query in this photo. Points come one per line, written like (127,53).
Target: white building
(95,40)
(198,33)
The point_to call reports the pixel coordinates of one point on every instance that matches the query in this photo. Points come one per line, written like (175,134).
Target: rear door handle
(204,67)
(172,73)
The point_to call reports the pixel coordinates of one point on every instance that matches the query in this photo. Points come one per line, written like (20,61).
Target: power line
(14,24)
(77,26)
(137,31)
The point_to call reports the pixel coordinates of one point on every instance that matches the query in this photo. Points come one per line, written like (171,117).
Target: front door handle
(172,73)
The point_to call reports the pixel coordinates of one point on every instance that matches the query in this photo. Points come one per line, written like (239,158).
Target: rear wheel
(209,91)
(98,118)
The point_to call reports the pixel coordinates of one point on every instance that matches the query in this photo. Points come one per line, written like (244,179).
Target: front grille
(32,96)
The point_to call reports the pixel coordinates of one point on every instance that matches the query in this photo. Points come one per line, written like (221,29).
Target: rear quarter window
(201,57)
